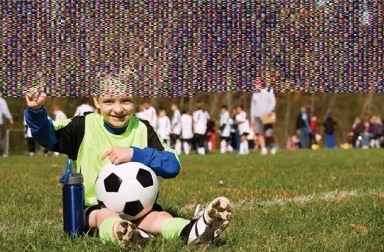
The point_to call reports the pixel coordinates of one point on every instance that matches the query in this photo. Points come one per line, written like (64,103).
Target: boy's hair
(199,104)
(224,107)
(146,101)
(114,84)
(56,106)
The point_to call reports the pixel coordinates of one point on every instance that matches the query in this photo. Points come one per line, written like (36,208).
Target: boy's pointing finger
(106,154)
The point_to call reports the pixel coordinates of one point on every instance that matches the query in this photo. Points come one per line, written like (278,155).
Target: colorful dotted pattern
(180,48)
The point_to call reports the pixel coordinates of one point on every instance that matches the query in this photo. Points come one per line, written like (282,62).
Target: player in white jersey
(186,131)
(225,130)
(200,120)
(83,108)
(30,141)
(176,128)
(243,126)
(140,112)
(149,113)
(59,114)
(163,125)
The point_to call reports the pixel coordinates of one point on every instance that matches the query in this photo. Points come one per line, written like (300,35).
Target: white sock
(246,147)
(229,147)
(201,150)
(241,148)
(178,148)
(223,146)
(186,147)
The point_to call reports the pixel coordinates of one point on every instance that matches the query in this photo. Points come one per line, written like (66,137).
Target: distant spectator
(263,103)
(313,126)
(83,108)
(376,131)
(293,143)
(186,131)
(329,129)
(270,139)
(356,133)
(163,125)
(303,128)
(176,128)
(366,135)
(4,111)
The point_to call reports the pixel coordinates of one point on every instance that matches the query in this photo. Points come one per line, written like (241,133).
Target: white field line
(303,199)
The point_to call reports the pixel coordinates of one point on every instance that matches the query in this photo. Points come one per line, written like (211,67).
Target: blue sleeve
(41,127)
(163,163)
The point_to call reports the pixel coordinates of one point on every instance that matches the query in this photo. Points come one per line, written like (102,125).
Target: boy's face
(116,110)
(162,113)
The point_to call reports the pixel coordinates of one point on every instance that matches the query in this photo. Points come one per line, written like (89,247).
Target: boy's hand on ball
(118,155)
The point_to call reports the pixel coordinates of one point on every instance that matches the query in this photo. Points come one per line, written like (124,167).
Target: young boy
(164,125)
(176,127)
(243,124)
(116,135)
(225,130)
(186,131)
(200,120)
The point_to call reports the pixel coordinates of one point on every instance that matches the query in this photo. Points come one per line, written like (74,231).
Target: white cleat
(210,222)
(129,235)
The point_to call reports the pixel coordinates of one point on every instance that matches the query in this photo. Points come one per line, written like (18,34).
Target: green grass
(265,190)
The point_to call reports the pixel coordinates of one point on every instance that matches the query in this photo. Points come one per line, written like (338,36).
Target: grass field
(293,201)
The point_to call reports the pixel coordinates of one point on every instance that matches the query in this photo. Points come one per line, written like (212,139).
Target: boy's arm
(64,137)
(162,159)
(41,127)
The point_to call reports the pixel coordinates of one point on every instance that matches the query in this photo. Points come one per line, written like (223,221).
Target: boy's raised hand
(119,155)
(36,97)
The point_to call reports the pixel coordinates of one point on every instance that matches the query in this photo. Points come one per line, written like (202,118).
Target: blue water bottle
(73,202)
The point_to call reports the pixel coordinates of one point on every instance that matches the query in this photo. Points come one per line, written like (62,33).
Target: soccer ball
(130,188)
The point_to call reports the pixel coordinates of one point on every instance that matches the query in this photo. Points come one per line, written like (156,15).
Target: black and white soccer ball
(130,188)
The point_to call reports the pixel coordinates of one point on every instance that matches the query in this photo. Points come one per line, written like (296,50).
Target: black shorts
(184,140)
(225,138)
(174,136)
(200,140)
(88,210)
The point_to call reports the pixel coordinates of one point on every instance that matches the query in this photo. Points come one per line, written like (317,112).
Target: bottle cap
(75,179)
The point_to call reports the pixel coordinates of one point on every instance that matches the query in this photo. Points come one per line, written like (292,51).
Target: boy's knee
(103,214)
(163,215)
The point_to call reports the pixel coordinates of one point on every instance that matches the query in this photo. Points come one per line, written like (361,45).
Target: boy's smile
(116,110)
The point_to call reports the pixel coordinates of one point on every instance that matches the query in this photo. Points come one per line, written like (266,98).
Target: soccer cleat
(129,235)
(210,222)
